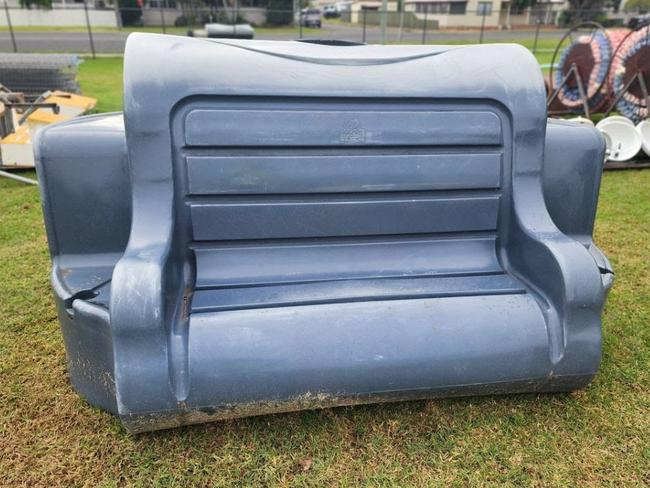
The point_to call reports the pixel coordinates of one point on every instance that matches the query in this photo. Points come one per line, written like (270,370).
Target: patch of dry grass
(599,436)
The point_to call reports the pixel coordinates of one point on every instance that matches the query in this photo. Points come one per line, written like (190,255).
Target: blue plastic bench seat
(273,226)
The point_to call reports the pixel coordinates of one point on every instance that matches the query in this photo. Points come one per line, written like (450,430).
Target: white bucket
(608,145)
(625,138)
(644,131)
(619,118)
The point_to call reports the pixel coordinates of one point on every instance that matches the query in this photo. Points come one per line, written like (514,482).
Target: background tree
(521,5)
(279,12)
(582,11)
(637,6)
(587,6)
(36,3)
(131,12)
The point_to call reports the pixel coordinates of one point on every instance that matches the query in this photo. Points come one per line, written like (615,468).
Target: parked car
(331,11)
(310,17)
(639,21)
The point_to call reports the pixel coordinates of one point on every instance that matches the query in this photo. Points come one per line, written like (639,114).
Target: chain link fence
(96,29)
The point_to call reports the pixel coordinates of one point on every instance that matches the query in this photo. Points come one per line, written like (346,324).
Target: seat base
(146,422)
(285,353)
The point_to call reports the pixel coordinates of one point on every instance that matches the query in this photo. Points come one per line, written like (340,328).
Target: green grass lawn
(101,78)
(595,437)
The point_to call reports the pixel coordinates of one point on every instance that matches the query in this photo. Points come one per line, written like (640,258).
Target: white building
(455,13)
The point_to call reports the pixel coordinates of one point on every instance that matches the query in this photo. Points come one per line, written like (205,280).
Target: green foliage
(36,3)
(519,5)
(130,12)
(637,6)
(582,10)
(593,12)
(279,12)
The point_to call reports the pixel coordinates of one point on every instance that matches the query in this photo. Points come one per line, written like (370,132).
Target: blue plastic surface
(285,225)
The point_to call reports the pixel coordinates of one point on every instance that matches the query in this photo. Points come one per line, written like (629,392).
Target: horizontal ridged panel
(238,265)
(351,290)
(341,173)
(321,127)
(338,218)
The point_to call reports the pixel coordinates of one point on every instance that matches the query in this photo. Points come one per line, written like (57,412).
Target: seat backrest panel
(336,217)
(331,123)
(282,181)
(340,171)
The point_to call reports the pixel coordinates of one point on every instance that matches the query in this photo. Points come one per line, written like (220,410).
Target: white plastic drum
(644,132)
(625,139)
(608,145)
(620,118)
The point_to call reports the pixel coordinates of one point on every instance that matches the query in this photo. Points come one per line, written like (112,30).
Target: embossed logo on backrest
(353,133)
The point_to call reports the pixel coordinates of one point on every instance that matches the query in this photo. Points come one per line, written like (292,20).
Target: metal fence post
(162,16)
(90,31)
(383,20)
(424,26)
(401,21)
(480,39)
(11,29)
(300,23)
(363,36)
(118,15)
(538,22)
